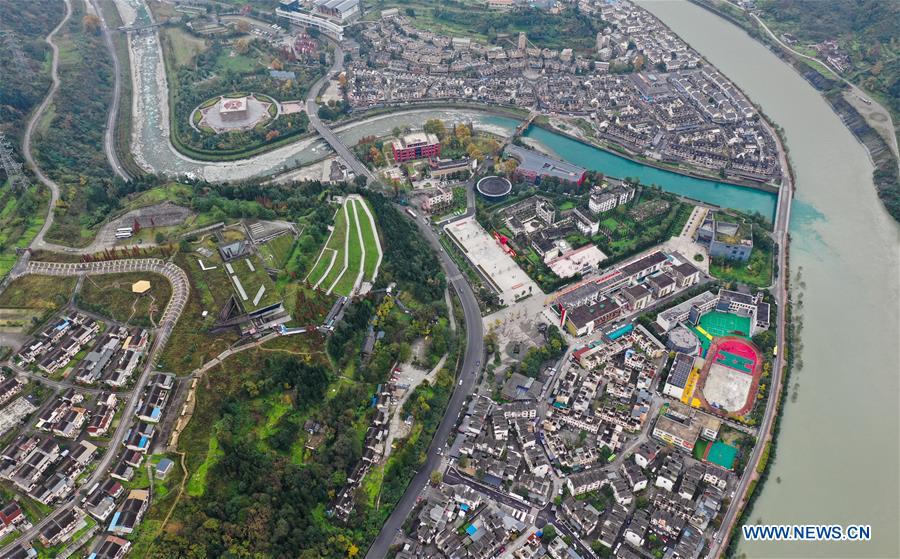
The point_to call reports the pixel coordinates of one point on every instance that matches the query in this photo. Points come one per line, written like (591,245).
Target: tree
(548,533)
(436,126)
(436,478)
(91,24)
(462,132)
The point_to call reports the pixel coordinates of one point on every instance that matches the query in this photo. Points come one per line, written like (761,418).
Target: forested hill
(25,79)
(868,31)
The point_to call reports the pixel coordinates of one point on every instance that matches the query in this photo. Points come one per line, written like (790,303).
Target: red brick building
(418,145)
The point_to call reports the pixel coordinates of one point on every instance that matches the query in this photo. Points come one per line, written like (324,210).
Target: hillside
(865,32)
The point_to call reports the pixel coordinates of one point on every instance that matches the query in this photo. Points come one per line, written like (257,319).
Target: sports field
(716,324)
(730,378)
(352,254)
(721,454)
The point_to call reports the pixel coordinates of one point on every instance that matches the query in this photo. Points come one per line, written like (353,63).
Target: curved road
(878,107)
(109,145)
(474,354)
(38,243)
(312,111)
(29,131)
(781,294)
(180,293)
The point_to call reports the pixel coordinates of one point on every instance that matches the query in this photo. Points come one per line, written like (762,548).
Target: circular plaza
(494,188)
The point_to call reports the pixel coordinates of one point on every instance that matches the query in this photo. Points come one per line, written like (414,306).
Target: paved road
(35,118)
(474,352)
(109,145)
(780,292)
(38,243)
(312,111)
(180,293)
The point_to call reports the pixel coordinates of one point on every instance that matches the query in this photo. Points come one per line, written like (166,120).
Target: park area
(352,254)
(123,298)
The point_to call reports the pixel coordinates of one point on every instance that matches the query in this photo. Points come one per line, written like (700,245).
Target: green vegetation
(21,218)
(865,30)
(756,272)
(111,295)
(472,18)
(278,251)
(253,488)
(68,142)
(652,217)
(24,88)
(863,33)
(200,70)
(350,222)
(35,298)
(122,139)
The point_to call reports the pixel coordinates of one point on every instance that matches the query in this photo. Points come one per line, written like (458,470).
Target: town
(462,279)
(667,106)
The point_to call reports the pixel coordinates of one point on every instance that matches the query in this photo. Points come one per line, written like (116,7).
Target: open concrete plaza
(489,258)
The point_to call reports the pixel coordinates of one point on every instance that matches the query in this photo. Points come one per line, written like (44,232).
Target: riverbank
(845,243)
(685,171)
(886,175)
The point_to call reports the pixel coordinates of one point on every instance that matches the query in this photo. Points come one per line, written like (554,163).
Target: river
(154,152)
(838,449)
(750,200)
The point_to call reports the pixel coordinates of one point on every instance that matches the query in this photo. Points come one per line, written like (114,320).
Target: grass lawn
(277,252)
(196,485)
(18,228)
(370,240)
(173,191)
(354,256)
(33,510)
(252,281)
(344,231)
(756,272)
(239,64)
(700,449)
(111,295)
(191,344)
(40,296)
(335,242)
(184,46)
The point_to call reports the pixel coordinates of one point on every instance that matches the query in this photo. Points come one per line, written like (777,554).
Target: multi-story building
(732,241)
(418,145)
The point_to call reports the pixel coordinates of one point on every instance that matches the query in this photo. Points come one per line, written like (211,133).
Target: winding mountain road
(32,124)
